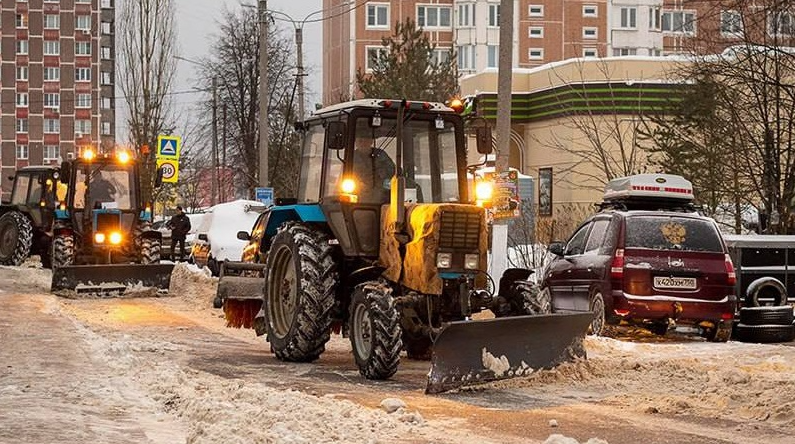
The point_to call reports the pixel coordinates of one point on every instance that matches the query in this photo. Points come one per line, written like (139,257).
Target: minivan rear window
(672,233)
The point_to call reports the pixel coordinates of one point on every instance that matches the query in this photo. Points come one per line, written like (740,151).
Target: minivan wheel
(597,306)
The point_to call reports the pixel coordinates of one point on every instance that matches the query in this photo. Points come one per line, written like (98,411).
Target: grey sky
(197,25)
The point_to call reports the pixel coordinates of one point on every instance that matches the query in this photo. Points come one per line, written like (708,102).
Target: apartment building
(56,80)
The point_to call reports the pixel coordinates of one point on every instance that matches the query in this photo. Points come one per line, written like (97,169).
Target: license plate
(682,283)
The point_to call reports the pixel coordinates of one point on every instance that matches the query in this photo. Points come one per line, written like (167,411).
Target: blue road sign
(168,146)
(264,195)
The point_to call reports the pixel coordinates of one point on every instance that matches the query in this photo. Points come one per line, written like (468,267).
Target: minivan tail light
(617,267)
(731,277)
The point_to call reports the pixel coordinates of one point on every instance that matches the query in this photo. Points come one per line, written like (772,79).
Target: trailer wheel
(150,251)
(16,238)
(374,326)
(299,295)
(63,250)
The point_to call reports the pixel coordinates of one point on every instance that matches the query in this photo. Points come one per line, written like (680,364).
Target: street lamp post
(263,93)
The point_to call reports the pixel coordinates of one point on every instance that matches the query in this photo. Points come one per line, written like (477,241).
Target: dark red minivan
(647,257)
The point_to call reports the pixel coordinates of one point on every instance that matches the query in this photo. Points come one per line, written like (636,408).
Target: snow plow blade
(110,279)
(473,352)
(240,296)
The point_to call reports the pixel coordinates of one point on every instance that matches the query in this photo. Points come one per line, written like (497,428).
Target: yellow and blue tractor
(384,243)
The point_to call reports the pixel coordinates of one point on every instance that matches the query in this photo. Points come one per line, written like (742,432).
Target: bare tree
(147,48)
(235,66)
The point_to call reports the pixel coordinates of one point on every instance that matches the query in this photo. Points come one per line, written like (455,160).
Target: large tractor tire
(525,298)
(63,250)
(374,326)
(16,238)
(150,251)
(299,295)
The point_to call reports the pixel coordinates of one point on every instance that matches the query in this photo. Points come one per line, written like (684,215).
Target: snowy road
(166,370)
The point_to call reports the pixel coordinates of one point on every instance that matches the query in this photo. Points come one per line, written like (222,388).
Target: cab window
(311,165)
(20,194)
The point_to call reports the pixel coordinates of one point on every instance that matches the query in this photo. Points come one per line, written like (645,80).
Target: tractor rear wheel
(150,251)
(374,325)
(63,250)
(16,238)
(299,295)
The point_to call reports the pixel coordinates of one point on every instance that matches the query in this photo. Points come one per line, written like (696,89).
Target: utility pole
(499,242)
(263,93)
(223,159)
(299,43)
(213,200)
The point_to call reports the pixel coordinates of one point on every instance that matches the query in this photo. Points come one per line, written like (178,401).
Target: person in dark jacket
(179,226)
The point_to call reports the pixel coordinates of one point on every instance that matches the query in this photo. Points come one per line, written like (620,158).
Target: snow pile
(498,365)
(222,223)
(193,284)
(560,439)
(30,278)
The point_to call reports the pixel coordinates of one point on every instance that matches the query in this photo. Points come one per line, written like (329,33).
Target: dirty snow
(193,284)
(498,365)
(560,439)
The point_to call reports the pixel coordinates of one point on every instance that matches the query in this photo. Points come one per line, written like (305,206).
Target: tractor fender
(152,234)
(361,275)
(510,276)
(287,213)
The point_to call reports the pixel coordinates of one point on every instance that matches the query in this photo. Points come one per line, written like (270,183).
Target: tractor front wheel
(374,324)
(63,250)
(16,238)
(299,295)
(150,251)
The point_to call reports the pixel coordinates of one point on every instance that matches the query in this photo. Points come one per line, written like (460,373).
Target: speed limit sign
(170,169)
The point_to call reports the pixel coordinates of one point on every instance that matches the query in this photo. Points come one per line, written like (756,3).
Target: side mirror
(243,235)
(159,178)
(202,237)
(556,248)
(335,135)
(483,137)
(65,172)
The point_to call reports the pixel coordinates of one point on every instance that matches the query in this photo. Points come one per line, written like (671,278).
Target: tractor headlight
(471,261)
(484,190)
(444,260)
(348,186)
(124,157)
(115,238)
(99,238)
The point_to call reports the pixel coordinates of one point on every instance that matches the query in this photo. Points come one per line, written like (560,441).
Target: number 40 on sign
(170,169)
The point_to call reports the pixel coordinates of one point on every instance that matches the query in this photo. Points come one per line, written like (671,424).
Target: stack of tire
(765,324)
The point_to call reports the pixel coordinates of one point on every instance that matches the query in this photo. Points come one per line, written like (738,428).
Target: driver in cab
(372,170)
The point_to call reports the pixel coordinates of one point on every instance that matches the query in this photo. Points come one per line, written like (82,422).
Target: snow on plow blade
(473,352)
(113,278)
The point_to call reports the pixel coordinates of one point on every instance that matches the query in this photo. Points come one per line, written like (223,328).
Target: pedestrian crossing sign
(168,147)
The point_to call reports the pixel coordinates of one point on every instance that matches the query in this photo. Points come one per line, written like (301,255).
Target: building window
(52,21)
(466,14)
(82,74)
(83,22)
(535,32)
(107,103)
(51,153)
(22,125)
(82,127)
(535,54)
(82,1)
(654,18)
(22,21)
(107,78)
(781,24)
(433,17)
(679,22)
(106,4)
(83,101)
(440,56)
(82,48)
(107,28)
(378,15)
(52,100)
(629,18)
(494,15)
(493,56)
(22,47)
(590,33)
(535,11)
(106,53)
(590,52)
(52,126)
(52,47)
(22,100)
(22,152)
(106,128)
(22,73)
(624,51)
(466,57)
(590,11)
(52,73)
(374,55)
(731,24)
